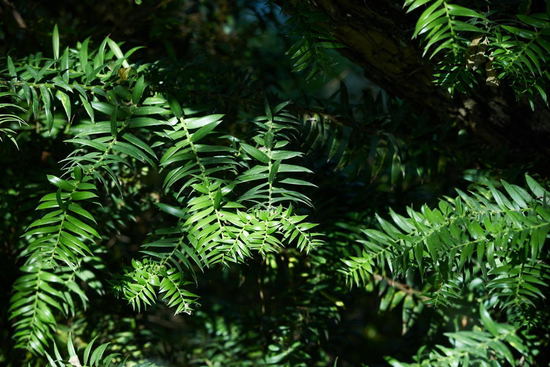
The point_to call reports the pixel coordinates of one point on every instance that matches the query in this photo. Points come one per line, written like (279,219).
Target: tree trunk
(377,36)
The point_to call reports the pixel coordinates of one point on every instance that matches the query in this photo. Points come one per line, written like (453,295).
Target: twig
(16,15)
(402,287)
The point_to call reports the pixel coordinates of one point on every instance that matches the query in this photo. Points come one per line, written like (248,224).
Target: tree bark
(377,36)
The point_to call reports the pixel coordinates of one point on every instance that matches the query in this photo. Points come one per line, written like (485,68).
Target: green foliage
(443,24)
(475,45)
(146,276)
(489,234)
(519,54)
(488,244)
(356,143)
(491,344)
(8,119)
(158,210)
(213,225)
(63,237)
(91,356)
(58,244)
(309,53)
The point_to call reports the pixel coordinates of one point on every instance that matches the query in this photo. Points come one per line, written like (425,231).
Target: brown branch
(16,15)
(402,287)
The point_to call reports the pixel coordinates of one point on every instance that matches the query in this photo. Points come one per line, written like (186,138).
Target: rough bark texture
(377,36)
